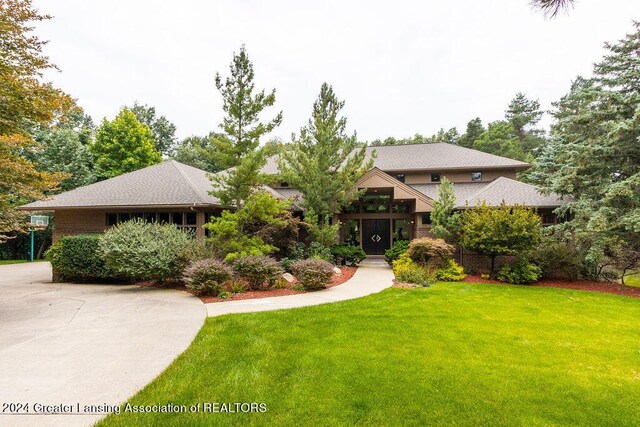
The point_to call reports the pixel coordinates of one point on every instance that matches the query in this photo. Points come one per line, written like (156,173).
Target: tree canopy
(324,162)
(123,145)
(164,132)
(593,155)
(238,147)
(26,101)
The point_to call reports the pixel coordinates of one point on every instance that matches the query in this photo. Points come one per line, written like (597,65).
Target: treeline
(516,136)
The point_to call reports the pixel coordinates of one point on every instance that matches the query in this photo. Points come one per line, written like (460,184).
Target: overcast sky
(401,66)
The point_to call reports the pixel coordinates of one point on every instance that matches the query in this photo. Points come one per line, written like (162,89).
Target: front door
(376,236)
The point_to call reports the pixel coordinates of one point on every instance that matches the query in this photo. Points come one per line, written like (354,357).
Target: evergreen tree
(241,126)
(524,114)
(594,155)
(475,128)
(501,139)
(324,162)
(445,223)
(123,145)
(238,147)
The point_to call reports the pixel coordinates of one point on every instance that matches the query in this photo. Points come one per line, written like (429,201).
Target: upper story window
(284,184)
(400,177)
(435,177)
(476,176)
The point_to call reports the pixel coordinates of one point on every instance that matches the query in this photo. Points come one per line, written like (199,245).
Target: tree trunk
(493,266)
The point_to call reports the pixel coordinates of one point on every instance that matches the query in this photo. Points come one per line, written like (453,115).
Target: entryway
(376,236)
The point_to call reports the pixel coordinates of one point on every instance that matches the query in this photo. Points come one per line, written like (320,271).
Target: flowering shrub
(313,273)
(207,276)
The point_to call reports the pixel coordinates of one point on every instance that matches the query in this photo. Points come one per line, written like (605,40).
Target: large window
(376,203)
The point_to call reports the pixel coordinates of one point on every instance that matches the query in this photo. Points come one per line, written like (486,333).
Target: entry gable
(376,178)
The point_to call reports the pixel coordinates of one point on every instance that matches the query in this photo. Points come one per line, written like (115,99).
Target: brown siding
(458,176)
(83,221)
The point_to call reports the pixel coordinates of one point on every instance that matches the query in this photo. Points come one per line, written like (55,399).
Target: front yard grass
(633,280)
(17,261)
(454,353)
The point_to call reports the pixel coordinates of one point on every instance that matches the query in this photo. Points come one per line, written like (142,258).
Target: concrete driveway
(70,344)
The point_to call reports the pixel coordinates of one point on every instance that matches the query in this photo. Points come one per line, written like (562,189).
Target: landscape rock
(288,277)
(336,270)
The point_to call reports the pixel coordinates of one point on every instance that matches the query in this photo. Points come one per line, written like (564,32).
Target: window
(284,184)
(400,229)
(190,218)
(124,217)
(400,177)
(176,218)
(112,219)
(400,208)
(426,218)
(476,176)
(163,217)
(435,177)
(149,216)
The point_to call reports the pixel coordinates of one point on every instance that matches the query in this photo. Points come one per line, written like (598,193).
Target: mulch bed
(581,285)
(337,279)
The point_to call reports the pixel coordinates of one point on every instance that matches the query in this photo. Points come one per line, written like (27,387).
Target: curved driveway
(68,344)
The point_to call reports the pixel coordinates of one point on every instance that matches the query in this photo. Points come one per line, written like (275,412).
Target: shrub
(313,273)
(79,258)
(556,257)
(451,272)
(257,270)
(398,248)
(348,253)
(238,286)
(145,251)
(207,276)
(407,271)
(295,252)
(318,251)
(519,273)
(427,251)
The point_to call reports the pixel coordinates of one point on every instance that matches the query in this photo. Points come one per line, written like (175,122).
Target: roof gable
(375,178)
(168,183)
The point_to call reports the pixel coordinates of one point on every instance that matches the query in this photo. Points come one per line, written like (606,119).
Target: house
(399,192)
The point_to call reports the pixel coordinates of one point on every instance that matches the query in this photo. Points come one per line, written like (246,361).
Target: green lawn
(455,353)
(633,280)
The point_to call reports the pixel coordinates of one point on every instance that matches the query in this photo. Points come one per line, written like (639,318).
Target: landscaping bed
(337,279)
(581,285)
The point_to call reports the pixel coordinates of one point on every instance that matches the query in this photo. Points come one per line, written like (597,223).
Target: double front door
(376,236)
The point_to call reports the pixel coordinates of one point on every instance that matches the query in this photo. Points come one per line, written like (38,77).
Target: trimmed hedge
(79,258)
(348,253)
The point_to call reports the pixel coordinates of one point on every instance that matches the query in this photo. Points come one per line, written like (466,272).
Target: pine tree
(475,128)
(241,126)
(238,147)
(445,222)
(324,162)
(594,155)
(524,114)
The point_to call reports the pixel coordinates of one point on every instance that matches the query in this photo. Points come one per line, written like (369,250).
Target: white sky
(401,66)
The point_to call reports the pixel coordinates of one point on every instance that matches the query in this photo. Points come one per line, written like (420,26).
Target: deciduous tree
(164,132)
(503,230)
(123,145)
(26,100)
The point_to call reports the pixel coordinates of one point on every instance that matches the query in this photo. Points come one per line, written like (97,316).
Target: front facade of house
(399,192)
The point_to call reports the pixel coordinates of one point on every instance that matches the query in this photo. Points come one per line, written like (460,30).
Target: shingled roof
(434,156)
(169,183)
(493,193)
